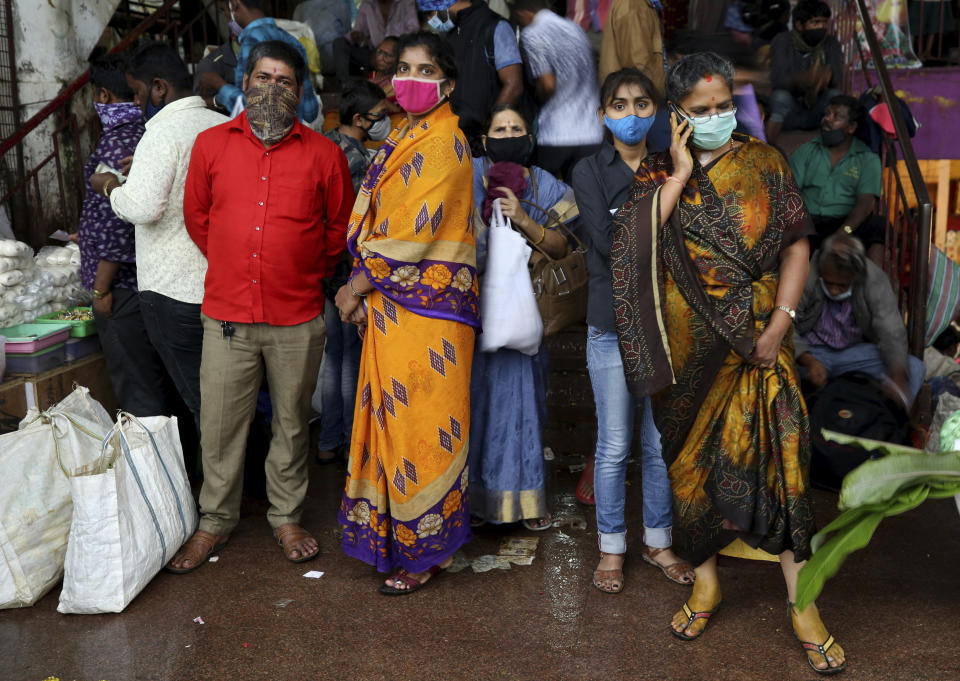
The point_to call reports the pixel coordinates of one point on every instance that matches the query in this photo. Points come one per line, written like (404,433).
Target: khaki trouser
(230,375)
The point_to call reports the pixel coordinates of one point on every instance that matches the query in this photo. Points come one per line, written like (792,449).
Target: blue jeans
(338,381)
(615,410)
(866,358)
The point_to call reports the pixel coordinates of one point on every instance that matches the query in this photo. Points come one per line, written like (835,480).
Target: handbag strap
(552,217)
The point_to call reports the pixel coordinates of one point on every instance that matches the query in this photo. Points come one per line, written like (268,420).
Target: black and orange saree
(690,298)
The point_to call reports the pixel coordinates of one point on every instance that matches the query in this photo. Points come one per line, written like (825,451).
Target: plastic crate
(25,339)
(78,329)
(81,347)
(37,362)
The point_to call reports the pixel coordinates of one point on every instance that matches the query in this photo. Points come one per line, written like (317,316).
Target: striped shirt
(837,326)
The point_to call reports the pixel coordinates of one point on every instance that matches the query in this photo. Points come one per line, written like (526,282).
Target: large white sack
(131,512)
(35,506)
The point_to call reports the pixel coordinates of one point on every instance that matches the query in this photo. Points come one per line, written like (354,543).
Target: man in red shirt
(267,202)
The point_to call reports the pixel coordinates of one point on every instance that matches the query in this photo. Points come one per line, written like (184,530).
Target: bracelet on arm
(354,291)
(543,235)
(106,186)
(671,178)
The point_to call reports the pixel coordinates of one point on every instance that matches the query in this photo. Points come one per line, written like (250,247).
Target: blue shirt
(260,31)
(506,52)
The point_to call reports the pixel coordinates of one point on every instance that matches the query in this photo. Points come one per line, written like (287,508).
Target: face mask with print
(836,298)
(271,111)
(417,95)
(440,25)
(714,132)
(379,130)
(629,129)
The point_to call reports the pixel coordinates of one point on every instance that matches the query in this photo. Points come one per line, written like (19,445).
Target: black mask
(813,36)
(832,138)
(513,149)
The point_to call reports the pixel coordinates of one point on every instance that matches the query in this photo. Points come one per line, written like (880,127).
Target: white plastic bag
(508,306)
(35,505)
(132,510)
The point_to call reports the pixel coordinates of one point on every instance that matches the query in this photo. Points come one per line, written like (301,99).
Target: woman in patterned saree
(405,505)
(709,260)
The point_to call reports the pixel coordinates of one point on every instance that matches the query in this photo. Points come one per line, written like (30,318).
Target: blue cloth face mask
(838,298)
(629,129)
(152,109)
(712,132)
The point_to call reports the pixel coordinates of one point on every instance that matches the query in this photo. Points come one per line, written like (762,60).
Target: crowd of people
(243,245)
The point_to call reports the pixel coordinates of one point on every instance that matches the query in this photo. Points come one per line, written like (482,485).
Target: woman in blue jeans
(602,184)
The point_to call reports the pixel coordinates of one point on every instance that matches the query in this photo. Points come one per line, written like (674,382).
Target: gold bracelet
(106,186)
(543,235)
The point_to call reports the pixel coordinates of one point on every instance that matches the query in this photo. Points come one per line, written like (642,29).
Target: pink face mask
(417,95)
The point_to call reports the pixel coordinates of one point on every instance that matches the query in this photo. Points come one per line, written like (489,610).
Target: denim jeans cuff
(613,542)
(658,537)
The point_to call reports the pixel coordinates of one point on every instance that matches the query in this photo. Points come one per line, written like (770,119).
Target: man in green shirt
(839,177)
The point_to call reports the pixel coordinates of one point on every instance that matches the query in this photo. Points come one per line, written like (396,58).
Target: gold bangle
(106,187)
(543,235)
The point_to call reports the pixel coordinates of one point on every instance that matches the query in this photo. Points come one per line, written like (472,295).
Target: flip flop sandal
(609,576)
(822,648)
(197,550)
(411,583)
(674,572)
(692,616)
(537,524)
(288,536)
(586,479)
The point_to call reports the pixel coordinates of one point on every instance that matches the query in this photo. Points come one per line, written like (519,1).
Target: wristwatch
(100,295)
(789,310)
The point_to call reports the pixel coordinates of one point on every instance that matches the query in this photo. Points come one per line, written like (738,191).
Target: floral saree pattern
(405,503)
(696,293)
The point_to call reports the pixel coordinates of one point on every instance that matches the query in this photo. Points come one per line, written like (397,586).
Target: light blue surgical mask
(629,129)
(441,25)
(712,132)
(836,298)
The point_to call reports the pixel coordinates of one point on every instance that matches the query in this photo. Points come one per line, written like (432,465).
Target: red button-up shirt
(271,222)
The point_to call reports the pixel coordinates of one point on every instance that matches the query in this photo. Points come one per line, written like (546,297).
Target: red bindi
(709,79)
(713,99)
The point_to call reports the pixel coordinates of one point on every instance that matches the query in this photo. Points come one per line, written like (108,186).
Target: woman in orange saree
(709,259)
(405,505)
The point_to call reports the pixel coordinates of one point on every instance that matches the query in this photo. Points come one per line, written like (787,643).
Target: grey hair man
(848,320)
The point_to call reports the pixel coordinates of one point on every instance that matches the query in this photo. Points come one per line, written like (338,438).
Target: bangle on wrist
(106,187)
(100,295)
(543,234)
(354,291)
(671,178)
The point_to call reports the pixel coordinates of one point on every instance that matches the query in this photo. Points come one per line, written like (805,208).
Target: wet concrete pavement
(894,607)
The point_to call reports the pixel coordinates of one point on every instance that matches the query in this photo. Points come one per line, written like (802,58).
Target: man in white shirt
(561,67)
(170,267)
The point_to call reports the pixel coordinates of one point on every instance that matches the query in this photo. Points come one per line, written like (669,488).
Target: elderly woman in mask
(709,260)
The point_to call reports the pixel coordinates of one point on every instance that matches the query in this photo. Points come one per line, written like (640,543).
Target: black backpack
(853,404)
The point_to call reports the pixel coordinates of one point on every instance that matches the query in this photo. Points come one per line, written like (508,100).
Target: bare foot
(810,628)
(584,491)
(704,597)
(422,577)
(608,577)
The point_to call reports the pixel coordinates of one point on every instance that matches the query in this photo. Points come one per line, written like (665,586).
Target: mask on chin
(832,138)
(839,298)
(439,25)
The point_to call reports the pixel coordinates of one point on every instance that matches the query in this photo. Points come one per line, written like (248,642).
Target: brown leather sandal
(197,550)
(288,536)
(674,572)
(609,576)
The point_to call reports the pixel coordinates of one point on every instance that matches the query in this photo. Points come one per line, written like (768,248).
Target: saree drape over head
(690,298)
(411,232)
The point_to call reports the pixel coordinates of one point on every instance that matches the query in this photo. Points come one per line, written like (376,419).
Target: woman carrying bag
(508,387)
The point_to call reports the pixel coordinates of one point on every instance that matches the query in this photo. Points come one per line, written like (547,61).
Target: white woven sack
(131,512)
(35,505)
(508,306)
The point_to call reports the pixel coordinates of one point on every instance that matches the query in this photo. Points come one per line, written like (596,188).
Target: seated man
(839,177)
(848,320)
(805,70)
